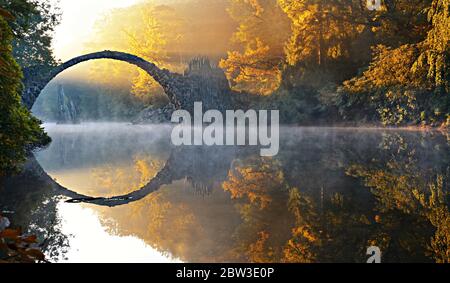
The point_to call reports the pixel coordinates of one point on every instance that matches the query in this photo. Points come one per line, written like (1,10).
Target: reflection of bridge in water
(201,82)
(200,165)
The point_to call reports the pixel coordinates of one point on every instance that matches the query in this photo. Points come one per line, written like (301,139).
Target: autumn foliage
(16,247)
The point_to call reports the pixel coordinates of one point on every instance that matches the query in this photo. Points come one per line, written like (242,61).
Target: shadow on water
(327,196)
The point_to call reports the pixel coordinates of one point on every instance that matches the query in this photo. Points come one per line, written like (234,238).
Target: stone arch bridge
(200,82)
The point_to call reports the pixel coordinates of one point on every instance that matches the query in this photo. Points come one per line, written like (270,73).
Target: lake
(329,195)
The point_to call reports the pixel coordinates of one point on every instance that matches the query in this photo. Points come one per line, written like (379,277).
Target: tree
(257,63)
(409,83)
(159,27)
(433,64)
(253,71)
(146,30)
(19,130)
(401,22)
(324,36)
(33,25)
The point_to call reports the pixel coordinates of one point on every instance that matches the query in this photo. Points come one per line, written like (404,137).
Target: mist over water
(343,187)
(93,143)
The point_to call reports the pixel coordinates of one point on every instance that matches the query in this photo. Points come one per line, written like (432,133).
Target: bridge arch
(35,80)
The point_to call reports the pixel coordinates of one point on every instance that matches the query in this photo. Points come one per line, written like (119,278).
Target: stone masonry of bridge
(200,82)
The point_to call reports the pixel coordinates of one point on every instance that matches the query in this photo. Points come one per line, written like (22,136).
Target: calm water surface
(328,195)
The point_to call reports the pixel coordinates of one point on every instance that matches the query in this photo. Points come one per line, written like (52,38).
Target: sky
(78,19)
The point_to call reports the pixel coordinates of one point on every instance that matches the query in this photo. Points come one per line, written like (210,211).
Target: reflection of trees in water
(125,177)
(33,201)
(255,181)
(307,205)
(412,201)
(155,218)
(325,198)
(407,215)
(172,218)
(259,188)
(281,223)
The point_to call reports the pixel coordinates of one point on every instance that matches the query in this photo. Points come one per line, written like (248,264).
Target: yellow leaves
(157,27)
(255,70)
(148,39)
(389,68)
(335,52)
(120,179)
(163,219)
(410,71)
(404,190)
(291,7)
(254,182)
(145,87)
(258,252)
(439,246)
(147,168)
(399,82)
(299,249)
(257,7)
(305,233)
(439,215)
(431,68)
(252,7)
(146,30)
(245,10)
(255,66)
(439,16)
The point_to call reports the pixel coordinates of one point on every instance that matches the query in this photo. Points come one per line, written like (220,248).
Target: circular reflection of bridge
(202,165)
(199,83)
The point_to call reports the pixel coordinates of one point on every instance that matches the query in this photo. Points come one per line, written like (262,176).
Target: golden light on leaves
(254,182)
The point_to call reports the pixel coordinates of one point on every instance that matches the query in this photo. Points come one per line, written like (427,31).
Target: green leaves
(32,23)
(18,129)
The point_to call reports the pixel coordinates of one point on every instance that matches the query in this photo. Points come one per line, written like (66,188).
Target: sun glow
(78,19)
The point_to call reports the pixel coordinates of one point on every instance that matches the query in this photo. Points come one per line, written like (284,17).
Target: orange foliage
(254,182)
